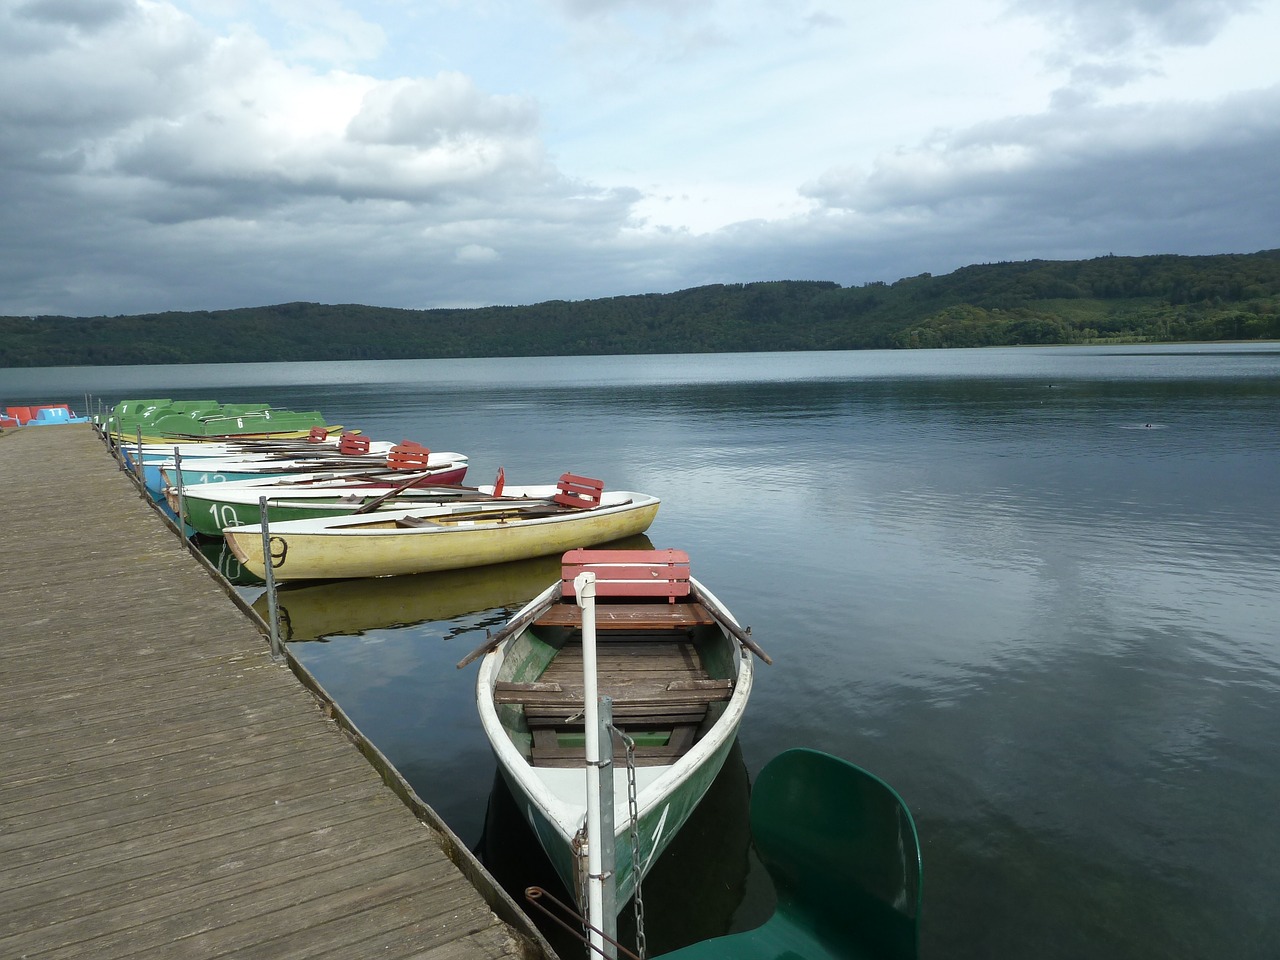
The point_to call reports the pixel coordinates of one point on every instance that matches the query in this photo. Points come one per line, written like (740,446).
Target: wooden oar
(726,621)
(503,510)
(513,626)
(376,501)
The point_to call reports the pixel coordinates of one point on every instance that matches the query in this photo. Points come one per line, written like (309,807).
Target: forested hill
(1109,299)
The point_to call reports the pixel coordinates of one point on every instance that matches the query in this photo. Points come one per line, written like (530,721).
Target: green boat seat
(841,849)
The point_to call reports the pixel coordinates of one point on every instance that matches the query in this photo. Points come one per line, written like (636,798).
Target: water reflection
(1054,631)
(315,611)
(226,563)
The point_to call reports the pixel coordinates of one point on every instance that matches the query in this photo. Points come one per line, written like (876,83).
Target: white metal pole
(584,585)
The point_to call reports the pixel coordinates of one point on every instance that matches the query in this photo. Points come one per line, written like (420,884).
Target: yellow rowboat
(525,522)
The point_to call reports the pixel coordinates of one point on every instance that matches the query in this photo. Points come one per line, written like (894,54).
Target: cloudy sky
(206,154)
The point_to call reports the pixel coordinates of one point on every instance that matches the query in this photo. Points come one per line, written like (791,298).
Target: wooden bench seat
(626,715)
(539,696)
(635,616)
(550,749)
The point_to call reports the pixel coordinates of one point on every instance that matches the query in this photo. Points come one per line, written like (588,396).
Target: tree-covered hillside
(1109,299)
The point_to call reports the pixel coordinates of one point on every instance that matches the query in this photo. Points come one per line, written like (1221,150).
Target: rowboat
(230,421)
(526,522)
(209,508)
(255,447)
(222,461)
(445,467)
(678,669)
(843,854)
(160,419)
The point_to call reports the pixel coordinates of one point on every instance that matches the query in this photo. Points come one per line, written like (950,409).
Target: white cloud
(442,109)
(476,253)
(216,153)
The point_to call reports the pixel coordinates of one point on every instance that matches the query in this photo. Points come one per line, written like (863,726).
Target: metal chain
(634,810)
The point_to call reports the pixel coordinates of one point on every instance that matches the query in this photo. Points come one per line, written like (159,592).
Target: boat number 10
(224,515)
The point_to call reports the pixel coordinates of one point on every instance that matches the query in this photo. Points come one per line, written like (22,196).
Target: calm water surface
(1034,589)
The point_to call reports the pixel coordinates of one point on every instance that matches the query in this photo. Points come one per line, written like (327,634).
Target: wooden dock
(167,789)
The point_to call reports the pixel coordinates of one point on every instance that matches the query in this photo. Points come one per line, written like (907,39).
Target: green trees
(1108,299)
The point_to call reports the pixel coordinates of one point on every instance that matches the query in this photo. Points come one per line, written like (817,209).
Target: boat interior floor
(661,694)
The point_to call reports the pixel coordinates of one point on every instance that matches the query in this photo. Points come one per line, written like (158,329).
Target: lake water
(1037,590)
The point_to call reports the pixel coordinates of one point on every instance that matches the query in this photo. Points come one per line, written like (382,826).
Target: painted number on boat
(224,515)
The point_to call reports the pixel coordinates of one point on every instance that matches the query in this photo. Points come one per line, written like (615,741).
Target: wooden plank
(628,714)
(637,715)
(629,573)
(548,752)
(168,889)
(632,616)
(168,789)
(628,699)
(578,492)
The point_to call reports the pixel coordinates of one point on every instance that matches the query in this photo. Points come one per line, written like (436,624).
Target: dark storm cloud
(1161,165)
(84,15)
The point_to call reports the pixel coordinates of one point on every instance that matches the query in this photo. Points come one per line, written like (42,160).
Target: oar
(501,512)
(513,626)
(376,501)
(726,621)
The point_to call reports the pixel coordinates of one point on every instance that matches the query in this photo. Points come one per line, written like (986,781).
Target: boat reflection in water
(698,889)
(314,611)
(216,551)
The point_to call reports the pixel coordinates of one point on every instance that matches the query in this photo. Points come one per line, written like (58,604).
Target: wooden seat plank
(635,616)
(549,752)
(642,698)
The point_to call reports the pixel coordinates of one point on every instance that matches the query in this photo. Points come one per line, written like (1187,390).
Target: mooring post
(177,478)
(268,574)
(137,467)
(602,923)
(608,921)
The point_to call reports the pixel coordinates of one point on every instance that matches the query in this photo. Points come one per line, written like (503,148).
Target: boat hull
(661,820)
(158,476)
(553,800)
(208,513)
(303,551)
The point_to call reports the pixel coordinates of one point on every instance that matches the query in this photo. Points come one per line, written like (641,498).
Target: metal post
(273,616)
(608,853)
(138,472)
(600,923)
(177,475)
